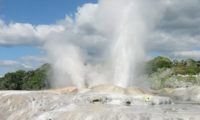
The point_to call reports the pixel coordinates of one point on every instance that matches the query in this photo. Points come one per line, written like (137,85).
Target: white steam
(104,44)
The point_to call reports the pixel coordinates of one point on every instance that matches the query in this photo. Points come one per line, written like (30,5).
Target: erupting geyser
(128,48)
(105,43)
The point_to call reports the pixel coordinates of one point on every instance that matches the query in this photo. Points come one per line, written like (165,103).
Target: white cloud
(195,54)
(34,61)
(178,30)
(39,59)
(10,65)
(24,63)
(26,34)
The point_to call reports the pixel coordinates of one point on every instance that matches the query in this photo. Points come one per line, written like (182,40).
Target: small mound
(163,91)
(64,90)
(136,91)
(86,90)
(108,89)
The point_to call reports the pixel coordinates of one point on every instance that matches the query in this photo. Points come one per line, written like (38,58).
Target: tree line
(26,80)
(183,67)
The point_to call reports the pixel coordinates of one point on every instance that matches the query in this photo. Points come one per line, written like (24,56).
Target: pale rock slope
(103,102)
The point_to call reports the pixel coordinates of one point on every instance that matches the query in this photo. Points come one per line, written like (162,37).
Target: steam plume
(104,44)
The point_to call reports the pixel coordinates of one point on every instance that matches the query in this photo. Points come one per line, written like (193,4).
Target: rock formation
(104,102)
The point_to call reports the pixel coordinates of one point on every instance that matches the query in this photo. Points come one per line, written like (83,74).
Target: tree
(12,81)
(158,63)
(37,79)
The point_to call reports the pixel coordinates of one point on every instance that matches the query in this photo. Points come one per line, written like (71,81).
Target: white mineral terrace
(104,102)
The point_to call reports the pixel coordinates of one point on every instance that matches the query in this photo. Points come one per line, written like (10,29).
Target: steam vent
(104,102)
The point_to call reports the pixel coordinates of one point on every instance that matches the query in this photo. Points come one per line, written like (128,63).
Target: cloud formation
(25,34)
(177,30)
(195,54)
(23,63)
(38,59)
(11,66)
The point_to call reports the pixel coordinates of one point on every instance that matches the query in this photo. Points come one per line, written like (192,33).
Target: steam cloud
(113,36)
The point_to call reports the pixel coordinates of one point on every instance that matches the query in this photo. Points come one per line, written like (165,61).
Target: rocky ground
(105,102)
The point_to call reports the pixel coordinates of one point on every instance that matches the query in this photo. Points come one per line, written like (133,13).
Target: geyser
(127,48)
(105,43)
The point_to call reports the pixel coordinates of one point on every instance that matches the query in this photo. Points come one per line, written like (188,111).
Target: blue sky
(34,12)
(39,11)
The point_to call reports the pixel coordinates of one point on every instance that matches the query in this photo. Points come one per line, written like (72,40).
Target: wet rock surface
(96,103)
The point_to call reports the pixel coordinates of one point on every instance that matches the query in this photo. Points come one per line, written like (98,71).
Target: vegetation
(158,63)
(183,67)
(26,80)
(164,73)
